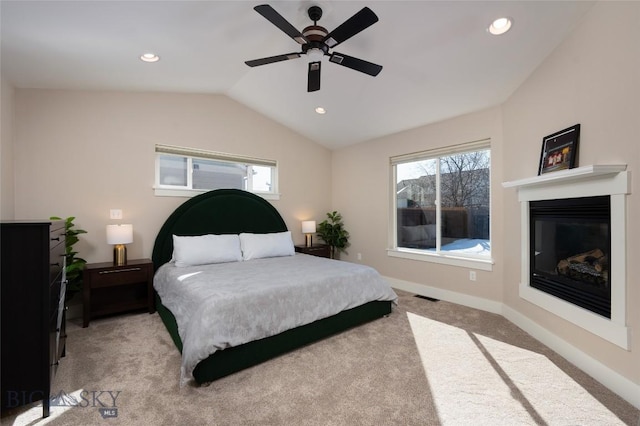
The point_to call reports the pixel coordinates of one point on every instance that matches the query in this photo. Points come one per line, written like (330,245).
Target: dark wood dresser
(33,310)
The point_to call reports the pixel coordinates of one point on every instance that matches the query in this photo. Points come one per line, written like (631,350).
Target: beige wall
(593,79)
(361,194)
(81,153)
(7,94)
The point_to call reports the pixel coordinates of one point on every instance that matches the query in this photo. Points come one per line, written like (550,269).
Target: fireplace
(590,236)
(570,248)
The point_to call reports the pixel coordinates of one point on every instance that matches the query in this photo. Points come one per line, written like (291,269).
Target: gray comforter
(223,305)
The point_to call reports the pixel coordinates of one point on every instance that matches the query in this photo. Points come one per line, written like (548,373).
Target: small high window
(187,172)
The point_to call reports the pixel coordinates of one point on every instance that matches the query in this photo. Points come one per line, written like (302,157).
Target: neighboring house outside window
(441,205)
(185,172)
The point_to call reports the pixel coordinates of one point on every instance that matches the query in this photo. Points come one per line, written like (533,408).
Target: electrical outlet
(472,275)
(115,214)
(359,256)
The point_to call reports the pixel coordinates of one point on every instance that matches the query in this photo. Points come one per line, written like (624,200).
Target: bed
(232,212)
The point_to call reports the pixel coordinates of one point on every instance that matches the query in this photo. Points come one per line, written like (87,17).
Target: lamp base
(307,240)
(119,255)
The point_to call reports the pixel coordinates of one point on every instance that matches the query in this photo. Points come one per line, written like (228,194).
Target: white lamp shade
(309,227)
(120,234)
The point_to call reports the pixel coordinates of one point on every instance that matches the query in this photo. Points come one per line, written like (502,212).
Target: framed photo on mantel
(560,150)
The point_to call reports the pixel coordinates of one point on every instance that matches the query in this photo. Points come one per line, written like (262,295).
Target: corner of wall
(7,199)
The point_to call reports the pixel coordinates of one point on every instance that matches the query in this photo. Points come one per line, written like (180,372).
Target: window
(188,171)
(441,205)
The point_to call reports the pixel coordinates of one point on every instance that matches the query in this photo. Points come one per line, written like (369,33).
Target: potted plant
(332,232)
(75,265)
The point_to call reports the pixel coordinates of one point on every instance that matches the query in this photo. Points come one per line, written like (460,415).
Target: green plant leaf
(75,265)
(332,232)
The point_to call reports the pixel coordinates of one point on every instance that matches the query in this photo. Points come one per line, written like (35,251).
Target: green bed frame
(230,211)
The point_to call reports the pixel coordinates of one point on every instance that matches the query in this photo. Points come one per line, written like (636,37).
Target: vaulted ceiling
(438,59)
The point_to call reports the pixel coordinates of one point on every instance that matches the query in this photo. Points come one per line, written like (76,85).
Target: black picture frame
(560,150)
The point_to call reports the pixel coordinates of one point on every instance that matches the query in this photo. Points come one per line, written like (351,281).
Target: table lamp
(119,235)
(308,228)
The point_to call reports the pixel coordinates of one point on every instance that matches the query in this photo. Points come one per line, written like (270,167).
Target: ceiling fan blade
(355,63)
(276,19)
(313,83)
(352,26)
(272,59)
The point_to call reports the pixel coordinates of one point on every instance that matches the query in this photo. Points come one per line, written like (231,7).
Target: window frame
(163,190)
(441,257)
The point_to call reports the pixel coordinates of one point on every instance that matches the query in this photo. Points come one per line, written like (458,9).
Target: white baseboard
(449,296)
(617,383)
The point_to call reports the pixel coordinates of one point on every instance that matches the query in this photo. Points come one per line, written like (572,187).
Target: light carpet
(428,363)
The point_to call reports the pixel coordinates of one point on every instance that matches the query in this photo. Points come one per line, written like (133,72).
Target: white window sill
(483,264)
(188,193)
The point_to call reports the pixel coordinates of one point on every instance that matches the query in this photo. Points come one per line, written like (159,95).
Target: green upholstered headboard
(222,211)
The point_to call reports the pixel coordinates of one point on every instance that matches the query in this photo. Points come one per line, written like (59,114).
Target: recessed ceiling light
(500,26)
(320,110)
(149,57)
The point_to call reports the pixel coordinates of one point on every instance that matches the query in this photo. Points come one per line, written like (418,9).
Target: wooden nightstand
(109,289)
(320,250)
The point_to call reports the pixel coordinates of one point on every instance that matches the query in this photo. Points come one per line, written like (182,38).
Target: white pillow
(256,246)
(203,249)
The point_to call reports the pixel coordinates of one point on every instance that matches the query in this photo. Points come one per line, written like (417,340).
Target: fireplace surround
(611,182)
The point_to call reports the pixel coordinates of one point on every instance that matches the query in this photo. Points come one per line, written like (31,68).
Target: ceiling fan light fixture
(500,26)
(149,57)
(315,54)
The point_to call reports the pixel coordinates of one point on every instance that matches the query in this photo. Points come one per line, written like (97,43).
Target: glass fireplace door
(570,249)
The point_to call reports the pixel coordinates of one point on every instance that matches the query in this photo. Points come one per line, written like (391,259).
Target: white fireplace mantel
(586,181)
(562,177)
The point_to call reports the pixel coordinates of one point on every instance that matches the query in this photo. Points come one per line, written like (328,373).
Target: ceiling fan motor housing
(315,34)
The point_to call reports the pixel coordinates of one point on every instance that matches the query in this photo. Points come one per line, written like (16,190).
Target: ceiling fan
(316,42)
